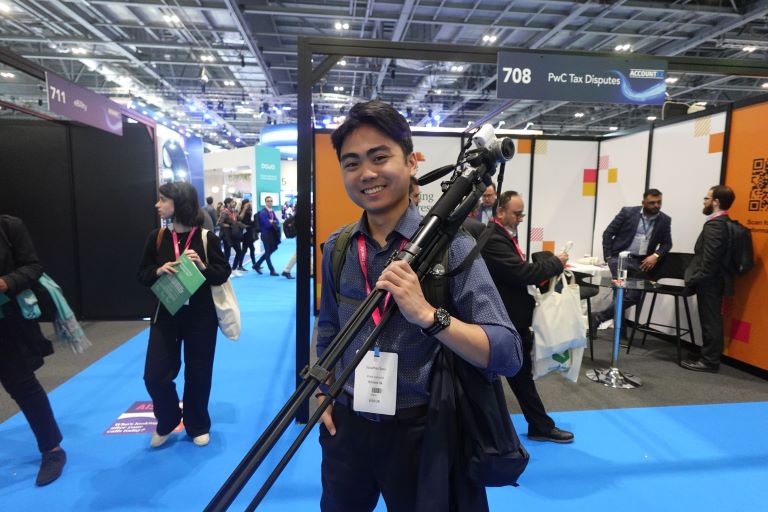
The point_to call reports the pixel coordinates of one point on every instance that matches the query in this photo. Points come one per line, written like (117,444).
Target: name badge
(376,384)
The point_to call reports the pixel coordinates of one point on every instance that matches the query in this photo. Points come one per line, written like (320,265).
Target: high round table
(612,376)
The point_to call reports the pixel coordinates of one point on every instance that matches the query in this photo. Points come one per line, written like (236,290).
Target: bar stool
(672,266)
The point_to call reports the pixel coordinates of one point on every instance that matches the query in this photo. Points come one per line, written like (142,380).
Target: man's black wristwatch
(442,320)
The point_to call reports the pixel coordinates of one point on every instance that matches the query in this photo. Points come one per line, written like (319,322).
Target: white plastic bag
(557,320)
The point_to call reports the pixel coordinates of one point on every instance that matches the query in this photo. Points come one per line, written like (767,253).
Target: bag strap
(435,287)
(339,255)
(204,233)
(159,239)
(479,244)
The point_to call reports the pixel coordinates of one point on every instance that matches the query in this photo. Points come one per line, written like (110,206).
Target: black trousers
(631,297)
(20,382)
(248,240)
(524,388)
(195,332)
(709,297)
(269,248)
(367,458)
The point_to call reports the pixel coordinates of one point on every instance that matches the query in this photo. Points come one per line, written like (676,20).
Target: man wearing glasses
(487,210)
(512,274)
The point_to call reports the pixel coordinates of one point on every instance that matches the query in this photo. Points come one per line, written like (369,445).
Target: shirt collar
(717,214)
(649,217)
(405,227)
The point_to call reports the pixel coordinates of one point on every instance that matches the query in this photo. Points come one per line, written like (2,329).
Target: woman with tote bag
(192,329)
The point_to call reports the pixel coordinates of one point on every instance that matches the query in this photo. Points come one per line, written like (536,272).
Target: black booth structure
(328,51)
(87,199)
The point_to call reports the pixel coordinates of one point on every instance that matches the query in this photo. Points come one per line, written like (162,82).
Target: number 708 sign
(517,75)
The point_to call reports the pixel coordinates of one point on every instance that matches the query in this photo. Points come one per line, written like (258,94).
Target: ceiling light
(439,91)
(345,26)
(765,85)
(171,19)
(7,74)
(207,58)
(578,114)
(749,49)
(651,118)
(343,62)
(5,8)
(623,47)
(613,128)
(337,25)
(79,51)
(671,80)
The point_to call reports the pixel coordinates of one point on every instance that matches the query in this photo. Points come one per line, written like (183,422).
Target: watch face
(443,317)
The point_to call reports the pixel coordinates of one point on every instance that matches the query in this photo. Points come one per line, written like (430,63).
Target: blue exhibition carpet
(696,458)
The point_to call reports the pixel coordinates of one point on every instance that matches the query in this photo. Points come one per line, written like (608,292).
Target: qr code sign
(758,194)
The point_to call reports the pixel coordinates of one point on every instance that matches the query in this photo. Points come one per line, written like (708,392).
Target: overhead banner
(81,104)
(533,76)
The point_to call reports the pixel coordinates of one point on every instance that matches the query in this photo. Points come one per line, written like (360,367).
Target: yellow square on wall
(588,189)
(613,175)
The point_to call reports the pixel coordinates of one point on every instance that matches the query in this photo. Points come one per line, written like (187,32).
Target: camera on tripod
(501,149)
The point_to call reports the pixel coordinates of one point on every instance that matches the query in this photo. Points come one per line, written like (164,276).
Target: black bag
(493,455)
(739,258)
(289,227)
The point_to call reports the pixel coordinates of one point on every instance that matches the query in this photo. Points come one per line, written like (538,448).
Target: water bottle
(621,269)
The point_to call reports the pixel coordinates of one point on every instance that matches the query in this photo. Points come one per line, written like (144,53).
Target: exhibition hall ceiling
(225,68)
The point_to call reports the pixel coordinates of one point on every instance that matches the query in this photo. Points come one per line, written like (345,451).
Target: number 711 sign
(80,104)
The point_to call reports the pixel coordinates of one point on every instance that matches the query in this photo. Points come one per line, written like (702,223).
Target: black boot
(51,467)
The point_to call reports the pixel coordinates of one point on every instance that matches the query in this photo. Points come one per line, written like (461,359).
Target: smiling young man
(371,450)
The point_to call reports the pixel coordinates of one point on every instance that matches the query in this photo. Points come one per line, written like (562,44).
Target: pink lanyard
(176,241)
(271,214)
(362,254)
(718,214)
(514,239)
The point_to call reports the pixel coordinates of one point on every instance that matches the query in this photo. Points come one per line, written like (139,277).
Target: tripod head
(489,151)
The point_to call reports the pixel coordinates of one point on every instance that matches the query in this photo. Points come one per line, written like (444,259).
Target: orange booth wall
(745,318)
(333,209)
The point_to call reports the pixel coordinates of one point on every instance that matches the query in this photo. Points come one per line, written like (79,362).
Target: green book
(174,291)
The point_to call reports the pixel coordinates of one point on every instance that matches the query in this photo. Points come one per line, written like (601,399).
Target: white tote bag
(557,320)
(225,301)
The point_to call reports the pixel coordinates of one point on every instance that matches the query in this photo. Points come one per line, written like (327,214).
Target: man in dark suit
(270,235)
(486,210)
(512,274)
(646,232)
(708,275)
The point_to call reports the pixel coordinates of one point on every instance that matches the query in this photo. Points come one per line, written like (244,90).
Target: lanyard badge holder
(375,390)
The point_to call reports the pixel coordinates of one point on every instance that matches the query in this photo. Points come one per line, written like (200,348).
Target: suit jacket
(512,276)
(270,228)
(620,233)
(708,264)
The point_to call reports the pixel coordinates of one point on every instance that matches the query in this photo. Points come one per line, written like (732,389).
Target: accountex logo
(646,73)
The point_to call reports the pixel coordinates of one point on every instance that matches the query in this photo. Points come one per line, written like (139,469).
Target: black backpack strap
(339,256)
(479,244)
